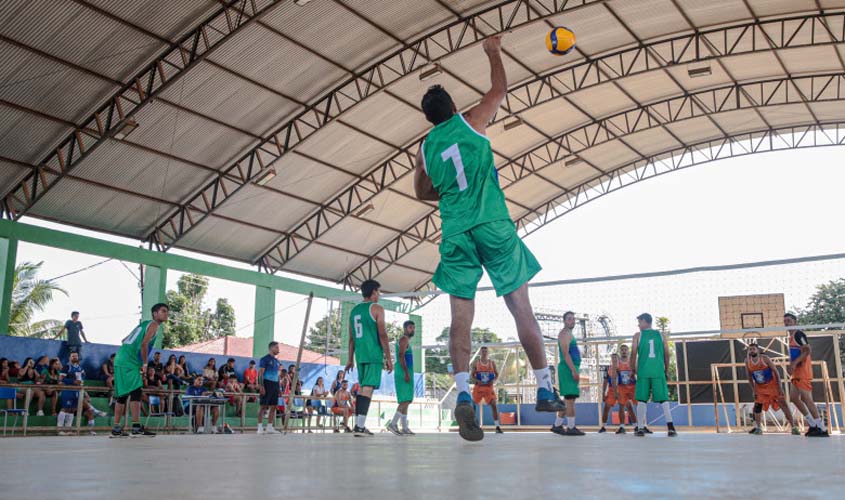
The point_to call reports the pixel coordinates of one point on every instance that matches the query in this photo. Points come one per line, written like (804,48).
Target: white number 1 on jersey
(454,154)
(650,348)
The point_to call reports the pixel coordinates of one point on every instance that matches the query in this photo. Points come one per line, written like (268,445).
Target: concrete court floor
(510,466)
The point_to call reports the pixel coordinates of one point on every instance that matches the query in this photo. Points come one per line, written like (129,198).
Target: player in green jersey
(368,346)
(455,166)
(650,364)
(130,366)
(403,378)
(568,376)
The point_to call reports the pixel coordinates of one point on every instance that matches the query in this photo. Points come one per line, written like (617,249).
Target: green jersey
(650,360)
(459,161)
(129,354)
(367,345)
(574,353)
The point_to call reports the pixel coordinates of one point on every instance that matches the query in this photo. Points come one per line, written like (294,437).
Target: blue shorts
(70,400)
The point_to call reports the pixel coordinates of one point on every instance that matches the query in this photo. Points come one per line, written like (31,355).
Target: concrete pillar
(8,259)
(155,291)
(264,325)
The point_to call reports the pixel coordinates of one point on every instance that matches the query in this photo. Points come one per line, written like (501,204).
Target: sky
(761,207)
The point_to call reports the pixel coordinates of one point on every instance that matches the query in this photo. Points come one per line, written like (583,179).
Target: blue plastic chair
(7,393)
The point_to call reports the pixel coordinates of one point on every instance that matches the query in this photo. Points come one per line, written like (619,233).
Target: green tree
(826,305)
(663,326)
(190,322)
(437,360)
(31,295)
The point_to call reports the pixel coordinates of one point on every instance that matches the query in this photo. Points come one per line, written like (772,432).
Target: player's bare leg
(460,350)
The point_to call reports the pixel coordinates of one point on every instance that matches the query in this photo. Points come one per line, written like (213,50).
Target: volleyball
(560,41)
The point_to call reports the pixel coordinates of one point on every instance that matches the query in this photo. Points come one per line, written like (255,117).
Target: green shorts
(656,387)
(369,375)
(567,386)
(404,390)
(494,246)
(127,379)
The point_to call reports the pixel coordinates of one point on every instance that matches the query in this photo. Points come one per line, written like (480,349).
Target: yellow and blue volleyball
(560,41)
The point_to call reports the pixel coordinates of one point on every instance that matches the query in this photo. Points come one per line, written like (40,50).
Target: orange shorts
(626,394)
(768,395)
(802,377)
(484,393)
(805,384)
(339,411)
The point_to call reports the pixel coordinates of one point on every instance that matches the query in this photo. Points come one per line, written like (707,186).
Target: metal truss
(378,76)
(753,95)
(113,116)
(734,40)
(734,146)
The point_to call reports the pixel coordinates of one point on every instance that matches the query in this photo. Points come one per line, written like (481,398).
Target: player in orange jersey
(765,382)
(801,369)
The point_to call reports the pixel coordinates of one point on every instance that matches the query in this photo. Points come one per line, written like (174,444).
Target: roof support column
(154,292)
(265,320)
(8,258)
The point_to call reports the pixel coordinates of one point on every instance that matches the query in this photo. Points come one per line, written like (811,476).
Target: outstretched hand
(492,45)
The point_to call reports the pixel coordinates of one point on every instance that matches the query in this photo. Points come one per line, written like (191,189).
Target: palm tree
(31,295)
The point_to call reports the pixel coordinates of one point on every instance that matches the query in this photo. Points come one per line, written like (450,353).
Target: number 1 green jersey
(365,329)
(650,360)
(459,161)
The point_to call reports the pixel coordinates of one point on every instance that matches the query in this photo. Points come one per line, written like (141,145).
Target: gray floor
(505,467)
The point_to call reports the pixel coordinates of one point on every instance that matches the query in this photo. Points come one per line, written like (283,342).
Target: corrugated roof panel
(395,210)
(650,86)
(165,18)
(319,260)
(343,147)
(515,141)
(515,211)
(351,44)
(412,89)
(266,208)
(77,202)
(230,99)
(107,47)
(695,130)
(601,100)
(713,12)
(717,77)
(266,57)
(832,4)
(530,190)
(188,136)
(223,237)
(790,114)
(772,7)
(810,60)
(389,118)
(753,66)
(608,155)
(309,179)
(742,120)
(26,137)
(570,174)
(10,174)
(403,20)
(651,141)
(357,236)
(119,164)
(554,116)
(650,18)
(472,67)
(425,256)
(400,279)
(38,83)
(829,111)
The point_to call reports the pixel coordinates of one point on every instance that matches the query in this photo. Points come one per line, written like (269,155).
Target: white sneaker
(260,430)
(213,429)
(39,413)
(100,413)
(93,433)
(200,430)
(270,430)
(63,433)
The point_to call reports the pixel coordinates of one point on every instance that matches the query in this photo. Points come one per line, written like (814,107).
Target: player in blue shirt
(198,389)
(268,386)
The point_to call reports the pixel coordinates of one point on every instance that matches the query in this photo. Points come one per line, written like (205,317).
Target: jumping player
(130,366)
(568,376)
(368,345)
(650,361)
(765,383)
(610,389)
(404,380)
(485,373)
(801,368)
(455,165)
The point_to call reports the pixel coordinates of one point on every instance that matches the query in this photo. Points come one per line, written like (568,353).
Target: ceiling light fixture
(369,207)
(301,2)
(128,126)
(512,122)
(699,71)
(431,72)
(266,177)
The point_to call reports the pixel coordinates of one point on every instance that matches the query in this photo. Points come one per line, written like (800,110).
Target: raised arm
(423,187)
(482,113)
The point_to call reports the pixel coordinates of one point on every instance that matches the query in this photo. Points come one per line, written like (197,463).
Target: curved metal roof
(282,133)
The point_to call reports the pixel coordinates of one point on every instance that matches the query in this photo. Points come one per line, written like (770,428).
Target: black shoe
(558,429)
(671,429)
(812,431)
(574,432)
(621,430)
(346,429)
(499,430)
(551,401)
(118,432)
(647,430)
(361,432)
(639,432)
(140,431)
(467,424)
(602,430)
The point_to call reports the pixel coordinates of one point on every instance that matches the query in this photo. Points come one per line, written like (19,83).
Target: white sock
(667,412)
(60,420)
(396,417)
(91,423)
(69,420)
(404,419)
(570,422)
(810,420)
(544,378)
(462,382)
(642,413)
(260,427)
(558,421)
(361,421)
(496,422)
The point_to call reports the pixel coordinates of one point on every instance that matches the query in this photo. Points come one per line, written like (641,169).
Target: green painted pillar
(265,318)
(8,259)
(155,291)
(416,343)
(345,312)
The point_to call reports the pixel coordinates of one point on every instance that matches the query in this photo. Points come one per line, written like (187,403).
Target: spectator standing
(268,385)
(75,334)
